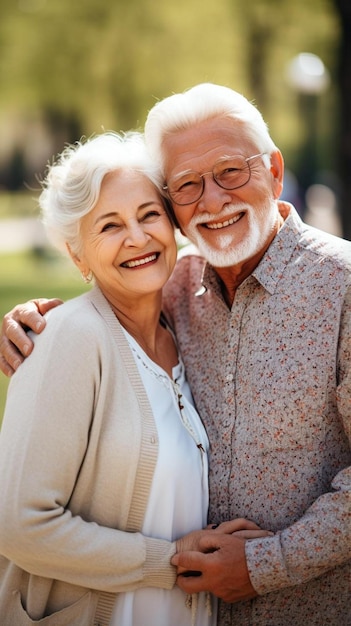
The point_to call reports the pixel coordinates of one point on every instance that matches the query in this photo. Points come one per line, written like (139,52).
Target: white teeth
(218,225)
(143,261)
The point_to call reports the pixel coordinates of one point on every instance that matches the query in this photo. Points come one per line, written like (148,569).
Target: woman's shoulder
(74,323)
(76,312)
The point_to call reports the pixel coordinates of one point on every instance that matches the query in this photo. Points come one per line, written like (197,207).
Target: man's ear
(277,171)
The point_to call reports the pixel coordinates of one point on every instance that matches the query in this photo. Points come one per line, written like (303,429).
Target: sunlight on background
(72,69)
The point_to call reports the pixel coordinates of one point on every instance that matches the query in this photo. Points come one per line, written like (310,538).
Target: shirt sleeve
(320,540)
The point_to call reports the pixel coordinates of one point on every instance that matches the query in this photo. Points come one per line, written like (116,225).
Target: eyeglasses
(229,173)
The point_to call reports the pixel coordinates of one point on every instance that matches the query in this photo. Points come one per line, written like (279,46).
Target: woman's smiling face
(127,239)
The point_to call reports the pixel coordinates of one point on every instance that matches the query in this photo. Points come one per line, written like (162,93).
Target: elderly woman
(103,458)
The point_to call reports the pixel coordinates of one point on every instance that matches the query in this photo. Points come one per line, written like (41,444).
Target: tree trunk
(344,79)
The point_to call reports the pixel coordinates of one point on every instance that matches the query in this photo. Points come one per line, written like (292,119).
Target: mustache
(228,211)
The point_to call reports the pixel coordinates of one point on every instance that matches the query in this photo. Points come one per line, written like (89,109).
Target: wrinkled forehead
(200,146)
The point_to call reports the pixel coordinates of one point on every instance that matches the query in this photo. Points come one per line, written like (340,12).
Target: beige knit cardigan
(78,450)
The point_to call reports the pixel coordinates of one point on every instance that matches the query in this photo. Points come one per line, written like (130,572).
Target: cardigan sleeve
(43,446)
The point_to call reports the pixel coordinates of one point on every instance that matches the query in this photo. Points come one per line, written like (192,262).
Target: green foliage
(75,68)
(106,61)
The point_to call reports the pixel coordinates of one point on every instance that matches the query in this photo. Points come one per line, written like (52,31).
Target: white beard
(227,253)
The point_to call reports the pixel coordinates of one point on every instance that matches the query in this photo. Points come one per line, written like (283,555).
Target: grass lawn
(32,275)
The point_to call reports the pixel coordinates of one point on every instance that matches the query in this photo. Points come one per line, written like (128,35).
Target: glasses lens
(186,188)
(232,173)
(229,173)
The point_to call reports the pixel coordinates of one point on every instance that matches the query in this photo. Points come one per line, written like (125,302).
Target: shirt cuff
(265,563)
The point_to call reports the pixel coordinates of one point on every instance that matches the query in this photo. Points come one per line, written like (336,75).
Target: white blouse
(178,500)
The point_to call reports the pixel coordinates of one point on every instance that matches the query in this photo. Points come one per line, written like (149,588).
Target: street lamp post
(308,76)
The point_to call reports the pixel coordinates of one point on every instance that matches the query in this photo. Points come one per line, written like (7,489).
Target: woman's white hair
(72,185)
(200,103)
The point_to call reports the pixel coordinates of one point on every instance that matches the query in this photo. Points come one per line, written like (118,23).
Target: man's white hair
(200,103)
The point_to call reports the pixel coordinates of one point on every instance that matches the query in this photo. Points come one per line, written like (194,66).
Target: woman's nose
(136,235)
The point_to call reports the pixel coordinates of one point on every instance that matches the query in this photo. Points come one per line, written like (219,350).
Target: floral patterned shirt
(271,378)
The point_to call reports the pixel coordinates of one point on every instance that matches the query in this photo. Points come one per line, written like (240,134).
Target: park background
(72,69)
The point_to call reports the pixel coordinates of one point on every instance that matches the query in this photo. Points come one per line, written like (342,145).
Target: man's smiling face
(228,226)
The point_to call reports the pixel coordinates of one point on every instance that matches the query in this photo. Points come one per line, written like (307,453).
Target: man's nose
(213,197)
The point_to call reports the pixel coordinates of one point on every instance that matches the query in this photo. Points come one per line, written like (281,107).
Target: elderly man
(262,314)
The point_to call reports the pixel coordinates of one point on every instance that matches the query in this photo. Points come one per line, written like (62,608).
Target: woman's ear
(277,171)
(77,260)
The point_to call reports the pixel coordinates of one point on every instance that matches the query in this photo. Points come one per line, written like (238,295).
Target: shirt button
(229,378)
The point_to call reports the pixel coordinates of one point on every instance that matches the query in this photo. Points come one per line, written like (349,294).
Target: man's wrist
(265,564)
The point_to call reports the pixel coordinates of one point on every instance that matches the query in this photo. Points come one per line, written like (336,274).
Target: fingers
(5,367)
(14,342)
(235,525)
(191,583)
(11,357)
(190,576)
(24,316)
(44,305)
(242,528)
(188,563)
(253,534)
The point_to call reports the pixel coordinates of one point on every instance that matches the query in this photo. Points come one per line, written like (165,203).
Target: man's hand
(216,560)
(15,345)
(220,568)
(241,527)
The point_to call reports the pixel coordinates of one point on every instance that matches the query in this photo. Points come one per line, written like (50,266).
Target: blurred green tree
(69,68)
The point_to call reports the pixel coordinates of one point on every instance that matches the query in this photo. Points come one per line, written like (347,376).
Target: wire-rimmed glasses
(229,173)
